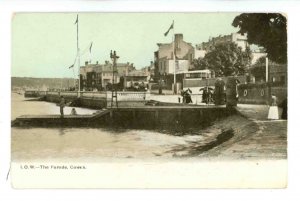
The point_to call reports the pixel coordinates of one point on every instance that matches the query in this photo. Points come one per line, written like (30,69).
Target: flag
(91,47)
(71,66)
(76,20)
(171,27)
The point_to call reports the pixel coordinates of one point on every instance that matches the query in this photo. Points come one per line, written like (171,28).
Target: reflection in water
(61,131)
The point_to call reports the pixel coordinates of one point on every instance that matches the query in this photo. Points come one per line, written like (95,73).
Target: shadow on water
(196,148)
(61,131)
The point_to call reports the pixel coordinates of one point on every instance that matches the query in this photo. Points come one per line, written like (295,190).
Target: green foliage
(258,70)
(267,30)
(225,59)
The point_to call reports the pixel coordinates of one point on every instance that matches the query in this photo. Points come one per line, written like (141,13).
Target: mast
(174,58)
(78,55)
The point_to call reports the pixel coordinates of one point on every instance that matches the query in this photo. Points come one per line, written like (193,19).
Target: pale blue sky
(44,44)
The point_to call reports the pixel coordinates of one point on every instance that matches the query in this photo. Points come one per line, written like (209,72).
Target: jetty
(132,117)
(58,120)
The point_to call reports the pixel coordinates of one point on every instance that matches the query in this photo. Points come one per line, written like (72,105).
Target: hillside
(40,83)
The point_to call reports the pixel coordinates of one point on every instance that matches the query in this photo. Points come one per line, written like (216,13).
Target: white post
(78,73)
(174,59)
(267,69)
(78,55)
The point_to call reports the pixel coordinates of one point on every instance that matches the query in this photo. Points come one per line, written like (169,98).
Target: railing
(121,95)
(68,93)
(52,93)
(35,93)
(89,94)
(130,96)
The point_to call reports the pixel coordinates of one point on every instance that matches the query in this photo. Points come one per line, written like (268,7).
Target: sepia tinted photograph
(145,100)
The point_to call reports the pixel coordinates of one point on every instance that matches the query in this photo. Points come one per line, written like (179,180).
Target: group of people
(207,95)
(62,104)
(186,96)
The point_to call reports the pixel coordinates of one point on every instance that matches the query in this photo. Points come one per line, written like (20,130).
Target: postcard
(149,100)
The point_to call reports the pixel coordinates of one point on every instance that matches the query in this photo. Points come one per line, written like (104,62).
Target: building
(136,78)
(278,73)
(99,76)
(240,39)
(256,54)
(164,59)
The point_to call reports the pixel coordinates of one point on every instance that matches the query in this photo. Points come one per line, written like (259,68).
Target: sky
(44,44)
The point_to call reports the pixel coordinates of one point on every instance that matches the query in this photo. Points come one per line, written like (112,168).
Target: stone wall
(261,93)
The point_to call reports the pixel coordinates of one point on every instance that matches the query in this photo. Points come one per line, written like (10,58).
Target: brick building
(164,60)
(99,76)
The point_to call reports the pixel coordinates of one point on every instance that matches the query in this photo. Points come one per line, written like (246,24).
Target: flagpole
(91,52)
(78,55)
(174,58)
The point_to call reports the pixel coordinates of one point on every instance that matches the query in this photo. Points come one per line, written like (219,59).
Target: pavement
(255,136)
(170,98)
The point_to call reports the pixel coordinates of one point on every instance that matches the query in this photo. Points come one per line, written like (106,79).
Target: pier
(93,100)
(177,117)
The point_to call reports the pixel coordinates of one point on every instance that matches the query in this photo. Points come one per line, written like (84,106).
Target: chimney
(97,62)
(86,63)
(178,38)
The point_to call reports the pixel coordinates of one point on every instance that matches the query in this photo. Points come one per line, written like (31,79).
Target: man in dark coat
(284,106)
(62,103)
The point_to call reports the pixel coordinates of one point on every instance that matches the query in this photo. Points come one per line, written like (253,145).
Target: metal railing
(93,95)
(122,95)
(130,96)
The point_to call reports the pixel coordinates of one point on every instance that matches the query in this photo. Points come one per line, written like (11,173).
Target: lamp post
(114,57)
(267,69)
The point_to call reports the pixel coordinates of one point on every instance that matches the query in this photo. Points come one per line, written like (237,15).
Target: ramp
(57,120)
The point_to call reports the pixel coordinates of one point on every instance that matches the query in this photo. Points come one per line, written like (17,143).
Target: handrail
(122,95)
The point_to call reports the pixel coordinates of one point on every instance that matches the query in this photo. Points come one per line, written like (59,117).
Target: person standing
(62,105)
(219,92)
(232,95)
(283,105)
(273,110)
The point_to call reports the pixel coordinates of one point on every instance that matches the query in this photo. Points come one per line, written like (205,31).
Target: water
(90,144)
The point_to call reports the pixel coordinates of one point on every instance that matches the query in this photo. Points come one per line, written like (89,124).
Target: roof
(137,73)
(197,71)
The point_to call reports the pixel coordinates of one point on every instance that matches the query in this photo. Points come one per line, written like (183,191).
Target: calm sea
(88,144)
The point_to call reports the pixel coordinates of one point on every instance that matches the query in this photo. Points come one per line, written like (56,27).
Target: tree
(258,70)
(267,30)
(225,59)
